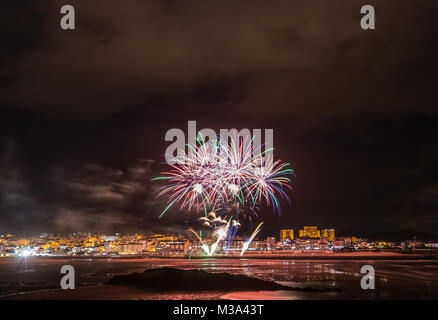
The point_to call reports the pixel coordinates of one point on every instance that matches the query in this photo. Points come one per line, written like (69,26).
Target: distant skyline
(399,235)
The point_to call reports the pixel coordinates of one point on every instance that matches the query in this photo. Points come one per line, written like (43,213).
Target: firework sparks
(248,242)
(217,174)
(204,246)
(231,178)
(220,233)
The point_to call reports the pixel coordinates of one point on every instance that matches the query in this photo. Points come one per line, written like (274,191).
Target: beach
(38,278)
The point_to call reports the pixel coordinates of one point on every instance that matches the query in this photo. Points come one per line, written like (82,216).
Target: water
(395,279)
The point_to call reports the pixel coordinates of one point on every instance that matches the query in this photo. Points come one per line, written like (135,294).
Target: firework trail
(248,242)
(204,246)
(221,233)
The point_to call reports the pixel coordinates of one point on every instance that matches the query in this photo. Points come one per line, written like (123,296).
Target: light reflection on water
(394,279)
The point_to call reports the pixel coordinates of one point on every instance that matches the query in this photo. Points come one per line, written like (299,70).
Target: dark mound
(171,279)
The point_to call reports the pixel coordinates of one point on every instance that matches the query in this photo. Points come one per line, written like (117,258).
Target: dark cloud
(67,199)
(354,111)
(299,58)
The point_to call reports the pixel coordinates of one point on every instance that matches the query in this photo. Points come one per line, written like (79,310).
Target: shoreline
(263,256)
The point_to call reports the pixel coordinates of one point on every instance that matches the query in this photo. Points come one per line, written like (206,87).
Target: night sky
(83,113)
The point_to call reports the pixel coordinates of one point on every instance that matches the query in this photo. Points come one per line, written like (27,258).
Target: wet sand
(395,279)
(106,292)
(113,292)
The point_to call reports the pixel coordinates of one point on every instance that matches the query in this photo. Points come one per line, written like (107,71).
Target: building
(131,248)
(286,234)
(339,244)
(310,232)
(306,243)
(270,243)
(413,244)
(329,234)
(180,246)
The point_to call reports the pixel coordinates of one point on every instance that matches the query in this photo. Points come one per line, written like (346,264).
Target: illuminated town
(309,240)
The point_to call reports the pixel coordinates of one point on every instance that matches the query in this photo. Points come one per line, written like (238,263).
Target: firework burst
(225,179)
(219,175)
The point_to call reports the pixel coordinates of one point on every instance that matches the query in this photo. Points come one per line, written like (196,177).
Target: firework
(219,175)
(220,233)
(204,246)
(248,242)
(230,178)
